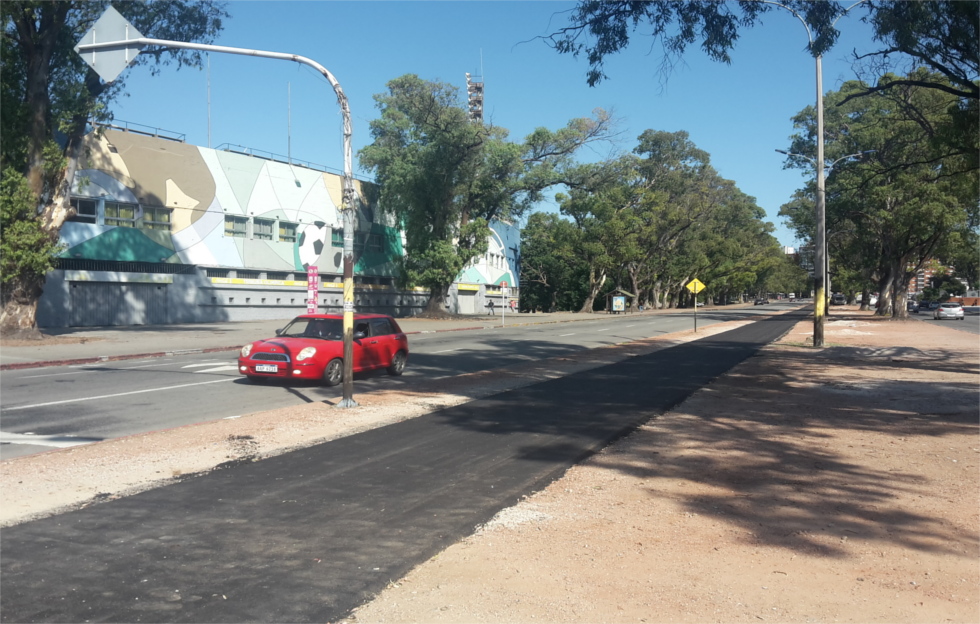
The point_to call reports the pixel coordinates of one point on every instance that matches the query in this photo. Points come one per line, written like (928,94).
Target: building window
(287,232)
(263,229)
(247,274)
(235,226)
(375,242)
(277,276)
(337,237)
(86,210)
(156,218)
(217,272)
(121,215)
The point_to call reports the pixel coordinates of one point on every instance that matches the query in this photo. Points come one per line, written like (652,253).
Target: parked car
(913,307)
(311,346)
(948,311)
(761,301)
(933,305)
(838,299)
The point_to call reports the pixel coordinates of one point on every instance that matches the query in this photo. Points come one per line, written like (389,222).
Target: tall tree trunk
(885,292)
(18,319)
(437,301)
(595,285)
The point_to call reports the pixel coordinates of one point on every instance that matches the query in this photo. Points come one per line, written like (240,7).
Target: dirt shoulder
(804,486)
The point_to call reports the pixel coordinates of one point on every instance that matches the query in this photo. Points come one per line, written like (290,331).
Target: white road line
(563,335)
(211,363)
(58,441)
(445,351)
(112,396)
(218,369)
(604,329)
(82,372)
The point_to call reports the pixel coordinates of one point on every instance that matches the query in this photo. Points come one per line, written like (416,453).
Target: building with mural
(168,232)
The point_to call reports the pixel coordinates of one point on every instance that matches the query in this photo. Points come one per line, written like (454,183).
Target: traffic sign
(695,286)
(109,62)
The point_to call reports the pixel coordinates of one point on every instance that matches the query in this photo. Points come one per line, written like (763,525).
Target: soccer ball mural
(311,242)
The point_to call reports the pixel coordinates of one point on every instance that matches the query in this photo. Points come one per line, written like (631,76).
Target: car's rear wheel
(333,372)
(398,364)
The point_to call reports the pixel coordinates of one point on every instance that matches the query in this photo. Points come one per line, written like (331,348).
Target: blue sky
(739,113)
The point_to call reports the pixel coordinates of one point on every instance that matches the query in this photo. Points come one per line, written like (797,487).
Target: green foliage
(444,177)
(26,251)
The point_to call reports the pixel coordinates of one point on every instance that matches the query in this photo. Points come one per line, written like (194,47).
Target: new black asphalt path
(309,535)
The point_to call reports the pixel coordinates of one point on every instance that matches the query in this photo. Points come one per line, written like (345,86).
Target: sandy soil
(804,486)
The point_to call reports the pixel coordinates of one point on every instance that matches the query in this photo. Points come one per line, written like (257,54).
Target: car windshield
(324,329)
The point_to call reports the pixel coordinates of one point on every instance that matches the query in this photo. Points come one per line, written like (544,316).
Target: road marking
(112,396)
(445,351)
(604,329)
(55,374)
(211,363)
(563,335)
(58,441)
(218,369)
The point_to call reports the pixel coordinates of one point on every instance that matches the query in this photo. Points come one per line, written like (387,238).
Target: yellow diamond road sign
(695,286)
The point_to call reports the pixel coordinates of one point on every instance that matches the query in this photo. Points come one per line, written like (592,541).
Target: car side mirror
(359,335)
(278,331)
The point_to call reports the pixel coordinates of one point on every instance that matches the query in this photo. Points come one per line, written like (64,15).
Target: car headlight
(308,352)
(246,350)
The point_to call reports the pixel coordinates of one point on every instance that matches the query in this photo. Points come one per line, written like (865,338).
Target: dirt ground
(806,485)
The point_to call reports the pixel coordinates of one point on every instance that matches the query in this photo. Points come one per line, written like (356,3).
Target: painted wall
(202,187)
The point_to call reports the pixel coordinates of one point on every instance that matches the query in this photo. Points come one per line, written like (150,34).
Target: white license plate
(266,368)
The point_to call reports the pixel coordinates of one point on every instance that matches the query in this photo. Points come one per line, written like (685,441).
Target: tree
(443,177)
(48,91)
(551,267)
(939,35)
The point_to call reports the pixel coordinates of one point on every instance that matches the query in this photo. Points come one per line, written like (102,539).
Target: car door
(381,342)
(364,352)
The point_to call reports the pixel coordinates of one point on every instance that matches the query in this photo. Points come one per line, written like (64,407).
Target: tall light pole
(820,276)
(113,43)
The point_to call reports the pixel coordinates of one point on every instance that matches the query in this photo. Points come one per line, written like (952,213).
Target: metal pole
(820,275)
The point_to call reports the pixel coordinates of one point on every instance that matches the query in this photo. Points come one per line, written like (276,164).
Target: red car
(311,346)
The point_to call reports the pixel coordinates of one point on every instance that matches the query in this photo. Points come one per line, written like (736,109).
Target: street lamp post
(820,276)
(112,44)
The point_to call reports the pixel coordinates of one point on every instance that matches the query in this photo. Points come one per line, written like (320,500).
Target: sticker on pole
(695,286)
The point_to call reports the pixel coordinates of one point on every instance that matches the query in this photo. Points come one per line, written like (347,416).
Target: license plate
(266,368)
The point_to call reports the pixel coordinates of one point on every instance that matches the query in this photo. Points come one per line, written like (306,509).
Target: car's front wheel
(398,364)
(333,372)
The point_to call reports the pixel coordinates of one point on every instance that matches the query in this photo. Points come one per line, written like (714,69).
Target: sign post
(695,286)
(312,289)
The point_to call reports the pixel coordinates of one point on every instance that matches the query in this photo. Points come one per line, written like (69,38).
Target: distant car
(838,299)
(933,305)
(913,307)
(761,301)
(311,347)
(948,311)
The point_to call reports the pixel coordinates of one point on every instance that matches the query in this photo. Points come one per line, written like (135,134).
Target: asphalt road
(68,406)
(309,535)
